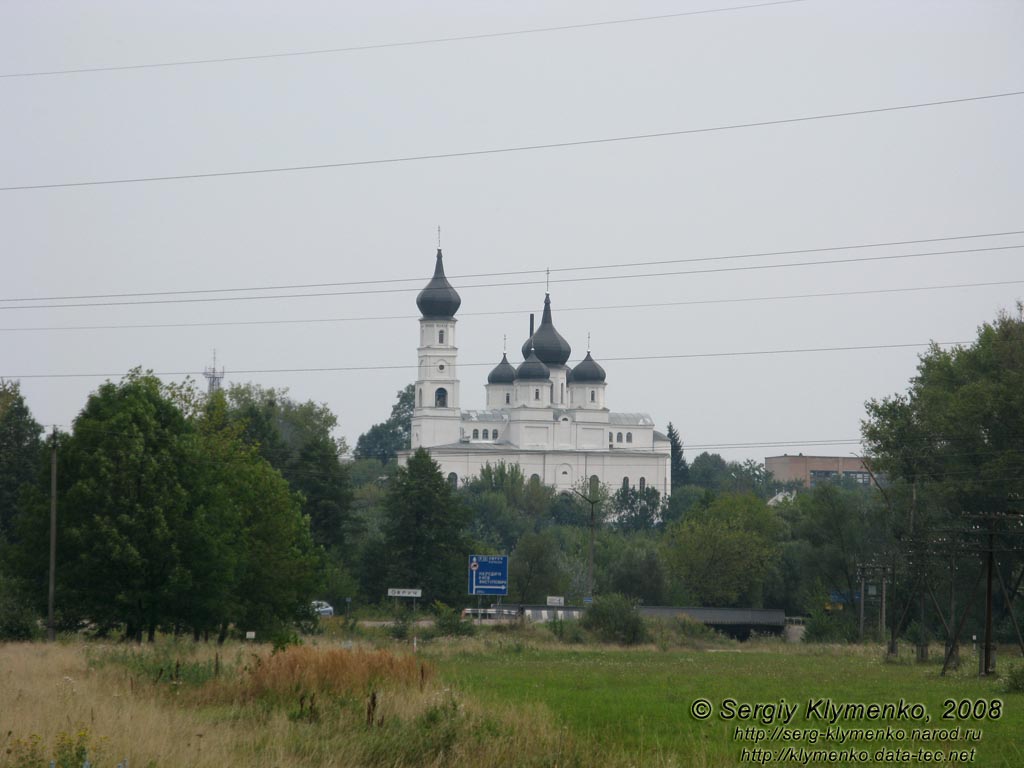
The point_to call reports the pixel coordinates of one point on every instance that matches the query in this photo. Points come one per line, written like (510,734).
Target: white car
(322,609)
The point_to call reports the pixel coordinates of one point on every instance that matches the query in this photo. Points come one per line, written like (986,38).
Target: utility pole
(593,500)
(51,632)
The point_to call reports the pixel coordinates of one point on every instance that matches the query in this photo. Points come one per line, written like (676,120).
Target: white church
(549,418)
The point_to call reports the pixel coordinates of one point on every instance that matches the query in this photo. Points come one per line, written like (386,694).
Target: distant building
(811,470)
(549,418)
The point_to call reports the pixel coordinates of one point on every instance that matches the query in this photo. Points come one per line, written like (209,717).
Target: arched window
(611,437)
(441,398)
(625,483)
(643,484)
(535,479)
(508,398)
(494,435)
(629,437)
(440,337)
(453,480)
(536,394)
(593,396)
(561,392)
(487,435)
(595,481)
(618,437)
(476,434)
(420,397)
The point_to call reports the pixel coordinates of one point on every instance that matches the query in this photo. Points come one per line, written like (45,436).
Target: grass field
(493,700)
(637,703)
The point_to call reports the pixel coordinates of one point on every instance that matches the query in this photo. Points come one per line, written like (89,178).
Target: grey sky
(924,173)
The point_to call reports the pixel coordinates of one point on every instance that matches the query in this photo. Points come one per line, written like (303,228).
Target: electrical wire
(407,366)
(419,279)
(401,44)
(602,308)
(513,149)
(595,278)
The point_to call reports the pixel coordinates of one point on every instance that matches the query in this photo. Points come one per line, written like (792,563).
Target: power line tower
(213,376)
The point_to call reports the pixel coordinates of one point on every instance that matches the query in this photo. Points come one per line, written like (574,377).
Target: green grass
(637,702)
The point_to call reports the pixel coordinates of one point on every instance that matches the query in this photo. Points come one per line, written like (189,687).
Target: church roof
(532,369)
(631,419)
(588,372)
(503,372)
(548,343)
(438,298)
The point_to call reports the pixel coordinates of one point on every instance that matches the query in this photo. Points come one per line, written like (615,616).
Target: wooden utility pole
(51,631)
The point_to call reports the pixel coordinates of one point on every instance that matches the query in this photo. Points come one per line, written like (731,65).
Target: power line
(402,44)
(602,308)
(420,278)
(506,150)
(323,294)
(413,366)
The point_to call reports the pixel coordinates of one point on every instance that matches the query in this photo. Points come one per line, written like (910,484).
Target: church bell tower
(437,417)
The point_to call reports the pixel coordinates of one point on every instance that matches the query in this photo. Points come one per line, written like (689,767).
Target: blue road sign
(488,574)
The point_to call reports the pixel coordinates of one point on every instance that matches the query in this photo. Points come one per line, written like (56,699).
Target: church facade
(550,418)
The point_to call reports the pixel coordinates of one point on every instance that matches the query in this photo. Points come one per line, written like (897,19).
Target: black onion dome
(503,372)
(438,299)
(533,369)
(588,372)
(548,343)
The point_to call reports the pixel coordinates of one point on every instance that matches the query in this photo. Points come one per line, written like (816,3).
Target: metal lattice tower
(213,376)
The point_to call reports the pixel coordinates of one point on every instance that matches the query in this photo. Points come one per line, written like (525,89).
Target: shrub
(825,627)
(613,619)
(1015,679)
(17,620)
(447,621)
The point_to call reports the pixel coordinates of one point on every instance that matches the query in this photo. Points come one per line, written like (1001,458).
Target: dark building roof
(533,369)
(503,372)
(438,298)
(588,372)
(548,343)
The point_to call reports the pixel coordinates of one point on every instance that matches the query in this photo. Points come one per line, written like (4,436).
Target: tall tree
(20,450)
(297,439)
(680,470)
(424,531)
(383,441)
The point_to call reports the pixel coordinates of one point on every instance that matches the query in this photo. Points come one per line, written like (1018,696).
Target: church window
(441,398)
(453,480)
(536,394)
(618,437)
(476,434)
(643,484)
(508,398)
(610,437)
(420,398)
(593,396)
(535,479)
(561,393)
(440,337)
(629,437)
(625,483)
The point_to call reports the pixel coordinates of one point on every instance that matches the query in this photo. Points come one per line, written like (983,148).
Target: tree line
(197,514)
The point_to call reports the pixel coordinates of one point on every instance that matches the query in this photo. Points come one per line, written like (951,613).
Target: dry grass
(303,707)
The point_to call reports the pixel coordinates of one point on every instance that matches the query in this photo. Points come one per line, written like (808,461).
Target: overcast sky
(930,172)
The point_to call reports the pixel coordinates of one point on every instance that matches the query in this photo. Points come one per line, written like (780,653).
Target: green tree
(959,430)
(636,510)
(383,441)
(297,440)
(20,450)
(533,569)
(710,470)
(679,469)
(725,554)
(424,531)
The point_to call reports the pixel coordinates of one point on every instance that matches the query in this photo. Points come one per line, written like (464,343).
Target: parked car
(322,609)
